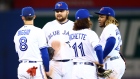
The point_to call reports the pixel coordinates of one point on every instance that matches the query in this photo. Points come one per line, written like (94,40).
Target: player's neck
(63,22)
(28,22)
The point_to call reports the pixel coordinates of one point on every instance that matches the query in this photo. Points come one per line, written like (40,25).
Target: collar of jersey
(27,25)
(64,22)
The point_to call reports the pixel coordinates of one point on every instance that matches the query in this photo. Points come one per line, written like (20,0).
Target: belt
(28,61)
(85,63)
(63,60)
(113,58)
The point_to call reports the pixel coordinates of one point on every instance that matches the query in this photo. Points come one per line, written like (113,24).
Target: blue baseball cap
(82,13)
(27,11)
(106,11)
(61,6)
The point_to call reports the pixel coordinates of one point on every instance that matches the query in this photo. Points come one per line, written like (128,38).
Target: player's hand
(48,75)
(98,64)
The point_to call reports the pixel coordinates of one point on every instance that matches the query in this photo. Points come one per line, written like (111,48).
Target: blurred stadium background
(127,13)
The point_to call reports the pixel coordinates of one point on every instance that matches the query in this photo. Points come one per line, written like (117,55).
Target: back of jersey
(28,40)
(83,43)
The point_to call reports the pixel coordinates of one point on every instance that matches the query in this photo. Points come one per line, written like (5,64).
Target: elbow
(98,48)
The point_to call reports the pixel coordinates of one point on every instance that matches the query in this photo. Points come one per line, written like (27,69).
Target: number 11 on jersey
(80,46)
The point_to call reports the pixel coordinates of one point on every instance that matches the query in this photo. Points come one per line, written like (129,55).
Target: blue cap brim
(99,13)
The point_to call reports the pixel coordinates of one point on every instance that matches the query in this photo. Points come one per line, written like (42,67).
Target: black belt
(63,60)
(85,63)
(113,58)
(28,61)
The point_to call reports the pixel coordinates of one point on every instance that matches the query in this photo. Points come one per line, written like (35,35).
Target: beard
(62,19)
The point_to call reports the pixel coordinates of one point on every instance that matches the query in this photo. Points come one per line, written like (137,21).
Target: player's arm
(43,48)
(110,43)
(98,48)
(99,53)
(45,58)
(109,37)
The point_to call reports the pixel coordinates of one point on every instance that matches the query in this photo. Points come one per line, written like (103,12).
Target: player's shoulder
(90,31)
(18,30)
(110,27)
(70,21)
(50,23)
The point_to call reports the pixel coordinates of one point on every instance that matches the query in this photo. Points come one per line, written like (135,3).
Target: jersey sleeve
(94,39)
(41,39)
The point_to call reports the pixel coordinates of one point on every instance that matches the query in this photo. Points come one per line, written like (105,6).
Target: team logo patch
(59,4)
(101,9)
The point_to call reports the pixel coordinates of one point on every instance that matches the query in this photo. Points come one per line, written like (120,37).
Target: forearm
(45,58)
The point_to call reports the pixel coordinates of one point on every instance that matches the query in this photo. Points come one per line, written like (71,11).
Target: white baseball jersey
(57,35)
(55,31)
(115,62)
(28,41)
(83,43)
(111,30)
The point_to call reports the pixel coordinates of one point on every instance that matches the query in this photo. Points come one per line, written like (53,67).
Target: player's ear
(23,18)
(67,11)
(34,16)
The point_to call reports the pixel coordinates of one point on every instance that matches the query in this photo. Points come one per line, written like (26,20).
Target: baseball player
(57,35)
(30,44)
(85,44)
(110,39)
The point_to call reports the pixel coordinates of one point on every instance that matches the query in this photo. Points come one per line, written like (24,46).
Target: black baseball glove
(49,77)
(51,52)
(102,72)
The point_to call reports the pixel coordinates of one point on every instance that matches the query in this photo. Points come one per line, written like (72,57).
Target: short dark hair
(29,18)
(82,24)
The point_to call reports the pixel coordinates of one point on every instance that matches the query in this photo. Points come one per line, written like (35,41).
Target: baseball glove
(51,52)
(102,72)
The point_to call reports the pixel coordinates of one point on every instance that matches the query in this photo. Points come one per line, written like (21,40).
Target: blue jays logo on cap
(27,11)
(82,13)
(106,11)
(102,9)
(61,6)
